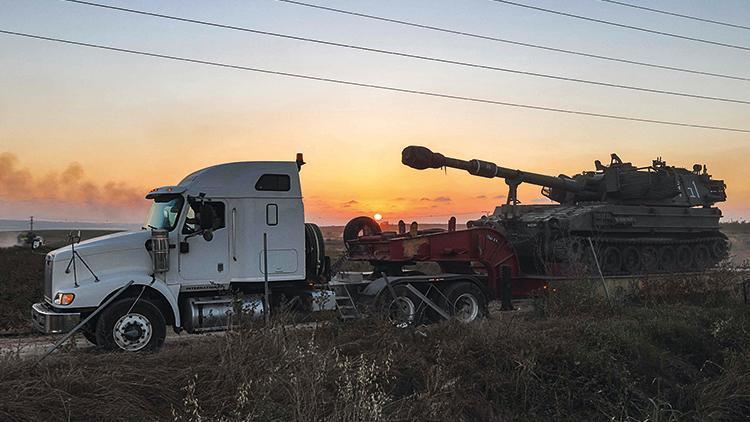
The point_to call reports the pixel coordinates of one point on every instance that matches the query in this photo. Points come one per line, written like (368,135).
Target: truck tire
(365,225)
(90,335)
(465,301)
(141,330)
(315,252)
(404,310)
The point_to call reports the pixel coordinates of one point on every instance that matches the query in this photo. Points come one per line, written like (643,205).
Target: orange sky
(85,133)
(336,187)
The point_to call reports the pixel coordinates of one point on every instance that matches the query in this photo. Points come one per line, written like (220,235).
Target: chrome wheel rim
(132,332)
(466,308)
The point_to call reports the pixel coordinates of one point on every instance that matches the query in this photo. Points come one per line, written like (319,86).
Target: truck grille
(48,277)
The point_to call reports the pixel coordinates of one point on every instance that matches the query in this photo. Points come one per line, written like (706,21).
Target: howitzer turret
(619,182)
(657,218)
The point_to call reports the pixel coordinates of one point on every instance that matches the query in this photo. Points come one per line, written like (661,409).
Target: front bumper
(49,320)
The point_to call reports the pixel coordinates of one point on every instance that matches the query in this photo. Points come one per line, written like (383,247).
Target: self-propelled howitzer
(635,220)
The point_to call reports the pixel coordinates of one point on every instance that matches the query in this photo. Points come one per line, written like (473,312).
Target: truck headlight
(64,298)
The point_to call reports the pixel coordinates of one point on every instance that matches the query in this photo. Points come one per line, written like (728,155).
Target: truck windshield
(164,212)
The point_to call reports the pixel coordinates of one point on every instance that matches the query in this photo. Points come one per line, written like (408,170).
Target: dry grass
(671,352)
(671,362)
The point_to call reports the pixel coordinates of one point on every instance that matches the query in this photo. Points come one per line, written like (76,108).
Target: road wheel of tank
(701,257)
(403,310)
(649,259)
(465,301)
(667,258)
(631,260)
(719,249)
(684,258)
(611,260)
(576,250)
(126,327)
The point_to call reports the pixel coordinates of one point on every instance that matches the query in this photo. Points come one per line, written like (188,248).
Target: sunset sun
(377,217)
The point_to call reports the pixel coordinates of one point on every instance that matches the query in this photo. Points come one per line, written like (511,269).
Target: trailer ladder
(345,303)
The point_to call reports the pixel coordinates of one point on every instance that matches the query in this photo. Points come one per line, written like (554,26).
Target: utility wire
(622,25)
(680,15)
(414,56)
(518,43)
(374,86)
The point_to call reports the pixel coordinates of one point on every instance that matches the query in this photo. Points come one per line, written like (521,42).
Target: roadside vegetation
(22,277)
(21,285)
(667,350)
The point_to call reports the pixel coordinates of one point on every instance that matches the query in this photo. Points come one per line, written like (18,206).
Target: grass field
(22,276)
(675,350)
(651,361)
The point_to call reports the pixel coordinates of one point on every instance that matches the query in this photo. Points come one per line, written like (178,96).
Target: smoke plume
(8,239)
(65,192)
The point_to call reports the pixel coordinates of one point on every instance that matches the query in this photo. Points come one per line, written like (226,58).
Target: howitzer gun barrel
(422,158)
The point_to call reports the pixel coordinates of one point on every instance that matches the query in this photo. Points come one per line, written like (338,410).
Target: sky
(85,133)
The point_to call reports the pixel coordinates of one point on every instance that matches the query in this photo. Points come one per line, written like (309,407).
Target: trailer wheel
(465,301)
(142,329)
(404,310)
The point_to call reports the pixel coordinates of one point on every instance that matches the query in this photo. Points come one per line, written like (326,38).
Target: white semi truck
(209,242)
(231,239)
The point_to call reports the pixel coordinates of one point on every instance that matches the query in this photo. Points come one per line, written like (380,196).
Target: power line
(375,86)
(413,56)
(622,25)
(518,43)
(666,12)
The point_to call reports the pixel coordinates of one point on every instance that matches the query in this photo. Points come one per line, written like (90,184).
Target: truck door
(200,259)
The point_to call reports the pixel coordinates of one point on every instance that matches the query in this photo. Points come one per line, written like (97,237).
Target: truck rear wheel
(465,301)
(140,329)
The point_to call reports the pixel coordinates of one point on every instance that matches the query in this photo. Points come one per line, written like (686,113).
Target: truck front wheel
(127,327)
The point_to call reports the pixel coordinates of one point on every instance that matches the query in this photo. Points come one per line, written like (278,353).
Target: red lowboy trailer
(477,265)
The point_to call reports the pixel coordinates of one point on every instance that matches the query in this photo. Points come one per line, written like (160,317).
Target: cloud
(436,199)
(499,197)
(481,197)
(348,204)
(400,198)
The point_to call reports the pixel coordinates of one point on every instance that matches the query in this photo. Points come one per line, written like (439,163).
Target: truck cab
(218,235)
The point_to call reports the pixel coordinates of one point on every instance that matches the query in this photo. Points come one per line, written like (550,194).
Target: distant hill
(20,225)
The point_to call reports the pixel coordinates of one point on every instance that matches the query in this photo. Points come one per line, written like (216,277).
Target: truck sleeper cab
(203,243)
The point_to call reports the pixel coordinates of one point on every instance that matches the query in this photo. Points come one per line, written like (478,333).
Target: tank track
(645,255)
